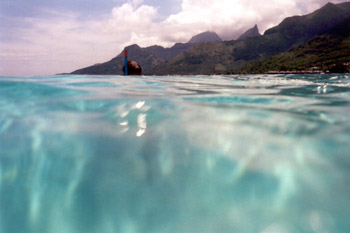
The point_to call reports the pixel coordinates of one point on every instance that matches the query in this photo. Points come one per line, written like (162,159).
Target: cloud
(64,42)
(230,18)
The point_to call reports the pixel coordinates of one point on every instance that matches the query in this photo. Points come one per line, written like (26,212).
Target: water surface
(108,154)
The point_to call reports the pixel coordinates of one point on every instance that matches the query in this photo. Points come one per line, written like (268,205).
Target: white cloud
(230,17)
(64,42)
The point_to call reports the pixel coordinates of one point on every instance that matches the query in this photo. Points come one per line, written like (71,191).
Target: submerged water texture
(108,154)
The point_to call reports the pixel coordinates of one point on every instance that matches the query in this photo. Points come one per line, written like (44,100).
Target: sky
(46,37)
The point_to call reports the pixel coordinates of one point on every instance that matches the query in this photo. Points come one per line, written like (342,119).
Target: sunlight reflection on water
(175,154)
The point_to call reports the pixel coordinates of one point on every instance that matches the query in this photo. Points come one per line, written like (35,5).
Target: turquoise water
(109,154)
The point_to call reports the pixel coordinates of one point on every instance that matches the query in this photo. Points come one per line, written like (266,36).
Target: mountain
(232,56)
(300,28)
(327,52)
(293,31)
(168,53)
(252,32)
(115,65)
(147,57)
(205,37)
(199,57)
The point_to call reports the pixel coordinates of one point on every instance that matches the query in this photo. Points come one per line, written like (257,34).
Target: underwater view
(158,154)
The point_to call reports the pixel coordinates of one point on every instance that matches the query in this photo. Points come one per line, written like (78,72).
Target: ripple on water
(175,154)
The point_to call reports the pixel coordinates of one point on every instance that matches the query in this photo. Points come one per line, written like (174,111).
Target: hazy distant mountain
(205,37)
(199,57)
(147,57)
(252,32)
(114,66)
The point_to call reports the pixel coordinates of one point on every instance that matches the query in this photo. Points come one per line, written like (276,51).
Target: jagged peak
(252,32)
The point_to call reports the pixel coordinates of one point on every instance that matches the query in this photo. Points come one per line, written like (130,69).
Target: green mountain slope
(148,57)
(293,34)
(301,27)
(329,52)
(115,65)
(233,55)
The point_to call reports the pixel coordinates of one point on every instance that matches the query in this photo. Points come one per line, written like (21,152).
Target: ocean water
(208,154)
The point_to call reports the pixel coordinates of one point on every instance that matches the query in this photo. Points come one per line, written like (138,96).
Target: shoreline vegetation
(311,44)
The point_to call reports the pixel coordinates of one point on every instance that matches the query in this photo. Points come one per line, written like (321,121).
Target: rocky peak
(252,32)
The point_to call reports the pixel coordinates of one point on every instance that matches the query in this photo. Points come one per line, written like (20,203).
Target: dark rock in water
(205,37)
(133,68)
(253,32)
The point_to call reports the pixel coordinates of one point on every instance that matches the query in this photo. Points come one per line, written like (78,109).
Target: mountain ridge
(252,32)
(230,56)
(328,52)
